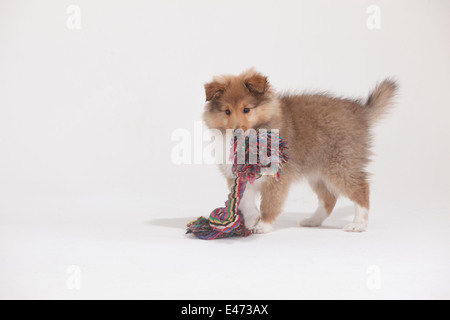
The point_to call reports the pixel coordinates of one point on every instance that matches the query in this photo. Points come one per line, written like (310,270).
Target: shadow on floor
(177,223)
(338,219)
(180,223)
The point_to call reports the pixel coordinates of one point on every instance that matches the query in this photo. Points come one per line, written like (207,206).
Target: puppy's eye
(246,110)
(227,112)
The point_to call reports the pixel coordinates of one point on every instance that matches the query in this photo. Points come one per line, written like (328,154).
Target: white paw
(251,218)
(356,227)
(311,222)
(262,227)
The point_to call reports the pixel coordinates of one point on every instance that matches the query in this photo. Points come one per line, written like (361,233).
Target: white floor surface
(146,255)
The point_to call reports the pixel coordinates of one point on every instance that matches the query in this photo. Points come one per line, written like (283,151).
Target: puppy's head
(246,101)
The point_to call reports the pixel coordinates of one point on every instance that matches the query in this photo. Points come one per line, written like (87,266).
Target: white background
(87,180)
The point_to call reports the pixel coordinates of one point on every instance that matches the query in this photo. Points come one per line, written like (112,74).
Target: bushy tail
(380,100)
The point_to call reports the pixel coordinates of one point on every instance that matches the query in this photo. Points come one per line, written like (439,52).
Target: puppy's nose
(245,130)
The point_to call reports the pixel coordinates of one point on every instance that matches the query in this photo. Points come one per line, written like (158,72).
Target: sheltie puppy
(329,143)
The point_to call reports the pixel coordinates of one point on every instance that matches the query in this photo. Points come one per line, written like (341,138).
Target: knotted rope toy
(253,156)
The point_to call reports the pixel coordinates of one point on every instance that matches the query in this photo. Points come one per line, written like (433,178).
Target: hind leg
(327,201)
(356,188)
(360,197)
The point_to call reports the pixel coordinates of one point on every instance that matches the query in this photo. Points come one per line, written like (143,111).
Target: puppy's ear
(213,90)
(256,83)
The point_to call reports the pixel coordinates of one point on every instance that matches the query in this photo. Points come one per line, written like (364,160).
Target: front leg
(273,196)
(248,205)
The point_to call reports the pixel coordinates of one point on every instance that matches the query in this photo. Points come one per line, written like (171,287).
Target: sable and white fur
(328,138)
